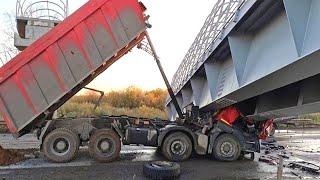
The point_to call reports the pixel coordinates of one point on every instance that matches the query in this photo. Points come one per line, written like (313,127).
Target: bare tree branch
(7,48)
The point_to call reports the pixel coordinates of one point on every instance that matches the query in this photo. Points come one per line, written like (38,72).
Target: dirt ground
(300,144)
(10,156)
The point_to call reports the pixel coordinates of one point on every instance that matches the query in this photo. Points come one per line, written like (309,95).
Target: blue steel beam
(263,60)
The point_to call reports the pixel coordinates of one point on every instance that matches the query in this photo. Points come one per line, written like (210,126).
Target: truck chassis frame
(151,132)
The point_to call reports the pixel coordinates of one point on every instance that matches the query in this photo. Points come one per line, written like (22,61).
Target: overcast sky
(175,26)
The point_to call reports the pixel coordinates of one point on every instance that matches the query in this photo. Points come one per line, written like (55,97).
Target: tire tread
(53,133)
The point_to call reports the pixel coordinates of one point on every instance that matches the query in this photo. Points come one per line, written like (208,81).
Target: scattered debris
(249,156)
(273,152)
(273,146)
(270,147)
(311,151)
(305,166)
(10,156)
(284,155)
(269,159)
(296,174)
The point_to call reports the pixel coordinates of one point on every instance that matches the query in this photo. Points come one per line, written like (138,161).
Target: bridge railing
(221,15)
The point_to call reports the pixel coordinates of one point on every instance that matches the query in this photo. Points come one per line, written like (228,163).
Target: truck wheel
(161,170)
(177,147)
(226,148)
(104,145)
(61,145)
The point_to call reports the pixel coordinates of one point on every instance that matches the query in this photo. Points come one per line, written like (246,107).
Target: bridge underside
(266,62)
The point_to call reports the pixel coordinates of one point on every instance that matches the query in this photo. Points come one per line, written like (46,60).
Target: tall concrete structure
(35,18)
(259,55)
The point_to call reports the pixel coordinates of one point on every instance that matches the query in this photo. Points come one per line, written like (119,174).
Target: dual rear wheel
(62,145)
(178,147)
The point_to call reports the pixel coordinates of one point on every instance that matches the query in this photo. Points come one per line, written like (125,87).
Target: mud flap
(202,143)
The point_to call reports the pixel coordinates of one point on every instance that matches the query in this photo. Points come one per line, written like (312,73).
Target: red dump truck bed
(54,68)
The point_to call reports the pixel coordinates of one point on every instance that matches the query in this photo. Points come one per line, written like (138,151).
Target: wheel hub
(61,146)
(178,147)
(227,149)
(105,145)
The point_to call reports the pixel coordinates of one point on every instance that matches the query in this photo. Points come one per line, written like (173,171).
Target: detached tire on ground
(161,170)
(61,145)
(226,148)
(177,147)
(105,145)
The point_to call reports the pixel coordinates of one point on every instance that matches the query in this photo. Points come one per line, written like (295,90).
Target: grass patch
(131,101)
(315,117)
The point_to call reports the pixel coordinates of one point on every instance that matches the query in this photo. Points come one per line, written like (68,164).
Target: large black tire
(61,145)
(226,148)
(105,145)
(161,170)
(177,147)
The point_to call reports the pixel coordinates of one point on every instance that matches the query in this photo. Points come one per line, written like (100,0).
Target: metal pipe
(170,91)
(100,98)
